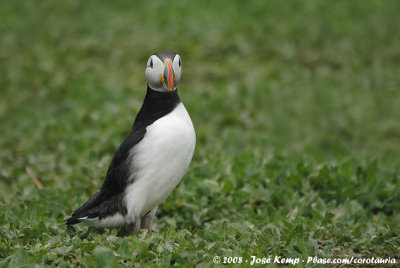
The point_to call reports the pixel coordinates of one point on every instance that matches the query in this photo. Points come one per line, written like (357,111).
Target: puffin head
(163,71)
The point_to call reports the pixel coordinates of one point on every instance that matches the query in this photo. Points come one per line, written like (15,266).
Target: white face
(163,76)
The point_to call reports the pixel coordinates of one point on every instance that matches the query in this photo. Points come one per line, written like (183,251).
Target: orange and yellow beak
(168,77)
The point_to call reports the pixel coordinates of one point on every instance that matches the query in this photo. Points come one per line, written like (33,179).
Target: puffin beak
(169,75)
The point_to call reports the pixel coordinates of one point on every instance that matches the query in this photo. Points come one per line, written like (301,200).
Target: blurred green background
(305,85)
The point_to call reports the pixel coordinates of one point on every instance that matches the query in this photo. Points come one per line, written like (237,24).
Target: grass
(295,106)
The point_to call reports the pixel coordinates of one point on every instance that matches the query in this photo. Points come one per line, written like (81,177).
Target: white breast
(160,160)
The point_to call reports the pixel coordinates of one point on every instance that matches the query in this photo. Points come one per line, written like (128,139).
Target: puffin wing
(114,185)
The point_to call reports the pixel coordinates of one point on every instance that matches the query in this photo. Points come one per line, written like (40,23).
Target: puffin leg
(147,220)
(133,225)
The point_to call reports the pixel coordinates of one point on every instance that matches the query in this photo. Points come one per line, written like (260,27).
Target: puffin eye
(151,63)
(180,63)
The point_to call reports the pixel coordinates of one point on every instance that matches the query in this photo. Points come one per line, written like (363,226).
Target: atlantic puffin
(151,160)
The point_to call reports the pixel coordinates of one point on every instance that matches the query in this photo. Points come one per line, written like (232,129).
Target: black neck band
(156,104)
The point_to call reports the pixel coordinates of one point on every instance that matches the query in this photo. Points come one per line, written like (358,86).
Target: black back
(156,105)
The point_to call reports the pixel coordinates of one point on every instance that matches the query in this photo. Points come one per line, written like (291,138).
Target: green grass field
(296,106)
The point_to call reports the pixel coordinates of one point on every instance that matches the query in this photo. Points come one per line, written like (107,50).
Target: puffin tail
(79,214)
(72,220)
